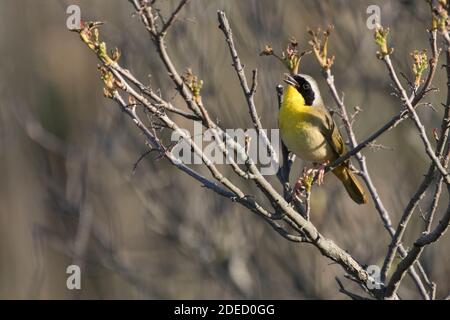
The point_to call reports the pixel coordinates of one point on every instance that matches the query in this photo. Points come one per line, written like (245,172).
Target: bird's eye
(306,86)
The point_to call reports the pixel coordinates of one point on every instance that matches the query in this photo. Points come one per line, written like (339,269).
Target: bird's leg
(320,169)
(306,179)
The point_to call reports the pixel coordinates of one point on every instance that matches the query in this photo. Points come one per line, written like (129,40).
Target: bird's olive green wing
(333,136)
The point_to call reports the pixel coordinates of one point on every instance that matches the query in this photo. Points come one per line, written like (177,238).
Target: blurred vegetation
(152,232)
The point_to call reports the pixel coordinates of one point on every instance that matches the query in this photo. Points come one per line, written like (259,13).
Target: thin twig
(308,205)
(172,17)
(404,114)
(351,295)
(146,15)
(249,92)
(416,251)
(420,127)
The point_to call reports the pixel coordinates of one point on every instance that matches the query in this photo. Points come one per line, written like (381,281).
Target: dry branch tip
(319,44)
(290,57)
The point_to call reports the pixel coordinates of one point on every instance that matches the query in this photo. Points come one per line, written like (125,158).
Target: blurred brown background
(68,192)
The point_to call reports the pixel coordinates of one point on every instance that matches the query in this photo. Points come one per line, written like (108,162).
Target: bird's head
(307,87)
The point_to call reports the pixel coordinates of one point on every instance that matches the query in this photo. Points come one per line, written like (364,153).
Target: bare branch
(434,205)
(351,295)
(420,127)
(254,82)
(145,12)
(308,205)
(397,237)
(152,95)
(416,251)
(249,93)
(173,17)
(404,114)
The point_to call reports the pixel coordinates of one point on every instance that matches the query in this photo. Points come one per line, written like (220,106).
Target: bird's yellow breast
(300,128)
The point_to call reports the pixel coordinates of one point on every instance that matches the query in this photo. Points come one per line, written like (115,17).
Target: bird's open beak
(290,80)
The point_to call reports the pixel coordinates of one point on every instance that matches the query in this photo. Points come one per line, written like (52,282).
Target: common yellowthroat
(308,131)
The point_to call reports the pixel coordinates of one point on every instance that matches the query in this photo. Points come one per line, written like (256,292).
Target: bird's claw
(321,172)
(306,180)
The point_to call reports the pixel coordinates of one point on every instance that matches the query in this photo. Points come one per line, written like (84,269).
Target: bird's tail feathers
(352,185)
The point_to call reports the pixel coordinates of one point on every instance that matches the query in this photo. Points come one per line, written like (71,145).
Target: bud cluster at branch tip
(380,36)
(419,66)
(193,83)
(319,43)
(90,35)
(439,20)
(290,57)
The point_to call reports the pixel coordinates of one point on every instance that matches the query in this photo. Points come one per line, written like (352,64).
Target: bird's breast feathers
(301,129)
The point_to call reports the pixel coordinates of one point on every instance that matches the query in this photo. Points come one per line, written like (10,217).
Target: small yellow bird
(308,131)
